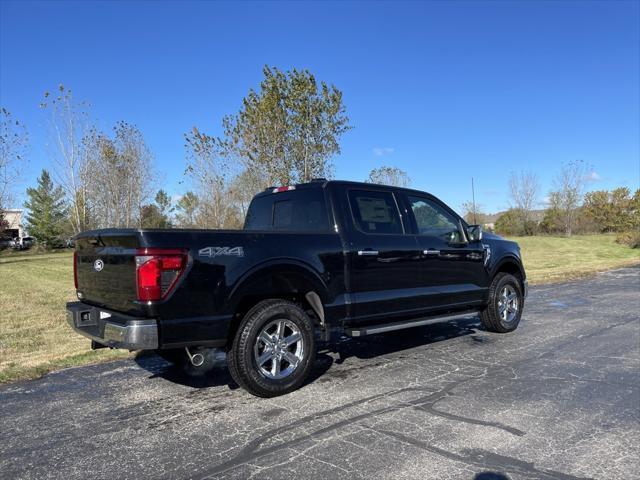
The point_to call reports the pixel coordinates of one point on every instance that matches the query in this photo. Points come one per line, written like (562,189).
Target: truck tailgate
(106,270)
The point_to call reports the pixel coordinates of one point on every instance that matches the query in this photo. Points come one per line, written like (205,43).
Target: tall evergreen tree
(47,211)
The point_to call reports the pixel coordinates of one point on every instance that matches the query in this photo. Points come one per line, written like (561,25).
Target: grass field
(34,335)
(554,259)
(35,338)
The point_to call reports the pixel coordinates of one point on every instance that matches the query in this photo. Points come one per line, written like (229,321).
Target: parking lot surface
(557,399)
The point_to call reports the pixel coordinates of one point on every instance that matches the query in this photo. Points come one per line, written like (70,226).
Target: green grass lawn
(35,337)
(554,259)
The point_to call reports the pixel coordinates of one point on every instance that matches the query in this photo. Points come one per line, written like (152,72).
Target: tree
(243,188)
(69,122)
(524,189)
(163,202)
(635,210)
(472,213)
(597,207)
(509,223)
(622,207)
(14,142)
(569,187)
(289,129)
(157,215)
(47,211)
(118,177)
(389,176)
(186,210)
(552,221)
(209,170)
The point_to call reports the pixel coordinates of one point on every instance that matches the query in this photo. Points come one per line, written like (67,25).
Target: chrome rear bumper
(112,329)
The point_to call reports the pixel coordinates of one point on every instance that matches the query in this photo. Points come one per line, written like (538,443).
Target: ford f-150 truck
(314,261)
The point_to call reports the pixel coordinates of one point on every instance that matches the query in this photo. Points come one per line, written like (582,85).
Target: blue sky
(443,90)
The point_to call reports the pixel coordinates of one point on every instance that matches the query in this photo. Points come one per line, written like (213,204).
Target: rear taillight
(158,271)
(75,269)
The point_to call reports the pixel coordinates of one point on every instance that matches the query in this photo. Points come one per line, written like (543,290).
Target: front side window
(375,212)
(433,220)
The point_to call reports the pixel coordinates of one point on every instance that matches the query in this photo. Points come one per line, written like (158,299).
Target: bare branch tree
(69,122)
(243,188)
(569,189)
(389,176)
(14,143)
(210,173)
(472,213)
(524,189)
(117,178)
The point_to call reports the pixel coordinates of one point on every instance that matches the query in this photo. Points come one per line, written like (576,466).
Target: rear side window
(294,211)
(375,212)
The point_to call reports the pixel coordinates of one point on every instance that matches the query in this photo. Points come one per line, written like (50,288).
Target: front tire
(273,350)
(506,301)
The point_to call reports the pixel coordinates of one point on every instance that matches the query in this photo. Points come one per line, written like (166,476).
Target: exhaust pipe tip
(197,360)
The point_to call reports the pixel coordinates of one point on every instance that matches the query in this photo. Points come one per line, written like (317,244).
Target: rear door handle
(431,251)
(368,253)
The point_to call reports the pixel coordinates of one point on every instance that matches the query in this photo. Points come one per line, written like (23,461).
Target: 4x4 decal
(221,252)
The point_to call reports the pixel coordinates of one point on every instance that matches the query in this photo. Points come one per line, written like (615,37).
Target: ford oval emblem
(98,265)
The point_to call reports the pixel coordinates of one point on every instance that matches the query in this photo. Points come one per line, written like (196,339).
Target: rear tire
(273,350)
(506,301)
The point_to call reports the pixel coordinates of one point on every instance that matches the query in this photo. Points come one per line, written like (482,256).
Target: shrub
(509,223)
(631,239)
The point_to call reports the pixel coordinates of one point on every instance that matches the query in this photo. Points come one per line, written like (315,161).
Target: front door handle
(431,251)
(368,253)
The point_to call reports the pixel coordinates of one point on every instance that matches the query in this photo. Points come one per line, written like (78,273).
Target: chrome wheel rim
(279,349)
(508,304)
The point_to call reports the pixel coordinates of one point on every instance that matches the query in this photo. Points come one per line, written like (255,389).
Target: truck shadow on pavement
(392,342)
(216,374)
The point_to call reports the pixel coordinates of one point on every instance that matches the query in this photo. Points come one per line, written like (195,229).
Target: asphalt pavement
(557,399)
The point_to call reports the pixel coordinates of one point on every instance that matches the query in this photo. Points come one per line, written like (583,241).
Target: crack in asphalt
(426,404)
(485,459)
(251,451)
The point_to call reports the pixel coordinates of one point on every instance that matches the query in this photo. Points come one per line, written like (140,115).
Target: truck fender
(281,268)
(512,262)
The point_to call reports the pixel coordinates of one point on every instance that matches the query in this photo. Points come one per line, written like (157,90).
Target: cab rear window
(294,211)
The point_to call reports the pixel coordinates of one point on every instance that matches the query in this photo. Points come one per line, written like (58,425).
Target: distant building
(14,220)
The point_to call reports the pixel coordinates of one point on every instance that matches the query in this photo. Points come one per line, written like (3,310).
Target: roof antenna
(473,196)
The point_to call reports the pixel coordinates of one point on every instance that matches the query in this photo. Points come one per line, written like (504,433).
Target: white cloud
(382,151)
(593,177)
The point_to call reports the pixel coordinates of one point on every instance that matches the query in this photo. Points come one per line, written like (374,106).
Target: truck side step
(417,322)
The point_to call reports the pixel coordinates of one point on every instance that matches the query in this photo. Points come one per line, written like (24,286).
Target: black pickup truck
(313,262)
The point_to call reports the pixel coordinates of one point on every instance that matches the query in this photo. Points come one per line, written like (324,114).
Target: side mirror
(474,233)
